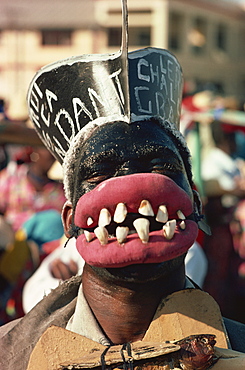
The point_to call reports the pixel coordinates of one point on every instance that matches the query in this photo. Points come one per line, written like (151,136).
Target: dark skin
(125,300)
(124,309)
(120,149)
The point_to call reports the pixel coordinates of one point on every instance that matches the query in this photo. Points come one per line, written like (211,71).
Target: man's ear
(198,211)
(66,215)
(197,201)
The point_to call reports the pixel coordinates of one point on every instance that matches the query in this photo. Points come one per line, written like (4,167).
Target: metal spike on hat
(67,95)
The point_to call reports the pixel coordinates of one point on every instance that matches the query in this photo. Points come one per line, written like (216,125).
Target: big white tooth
(102,234)
(90,221)
(121,234)
(104,217)
(182,225)
(162,214)
(168,229)
(120,213)
(181,215)
(88,235)
(145,208)
(142,226)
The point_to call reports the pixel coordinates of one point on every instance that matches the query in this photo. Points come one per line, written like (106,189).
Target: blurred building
(208,38)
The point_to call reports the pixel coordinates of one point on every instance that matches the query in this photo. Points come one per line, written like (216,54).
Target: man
(133,211)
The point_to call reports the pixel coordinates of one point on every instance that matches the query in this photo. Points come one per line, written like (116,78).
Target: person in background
(221,172)
(27,189)
(224,185)
(22,254)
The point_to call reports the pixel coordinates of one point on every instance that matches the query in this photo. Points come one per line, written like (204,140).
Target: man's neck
(125,310)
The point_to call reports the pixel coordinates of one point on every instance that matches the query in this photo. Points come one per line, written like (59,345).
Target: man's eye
(164,168)
(97,179)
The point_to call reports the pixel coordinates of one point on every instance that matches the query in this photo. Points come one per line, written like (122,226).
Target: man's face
(133,197)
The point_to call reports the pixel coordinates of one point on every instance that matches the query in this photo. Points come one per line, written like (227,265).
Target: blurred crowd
(30,221)
(32,255)
(214,127)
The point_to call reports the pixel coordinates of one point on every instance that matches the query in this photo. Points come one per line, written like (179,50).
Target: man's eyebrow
(152,150)
(148,151)
(99,157)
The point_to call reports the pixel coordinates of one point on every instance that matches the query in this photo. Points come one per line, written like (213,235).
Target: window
(130,12)
(198,35)
(175,31)
(56,37)
(138,36)
(241,43)
(114,37)
(221,37)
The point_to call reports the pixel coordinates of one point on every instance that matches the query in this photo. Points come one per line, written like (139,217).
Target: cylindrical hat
(70,98)
(82,92)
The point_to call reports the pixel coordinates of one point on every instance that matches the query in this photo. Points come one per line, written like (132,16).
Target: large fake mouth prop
(134,219)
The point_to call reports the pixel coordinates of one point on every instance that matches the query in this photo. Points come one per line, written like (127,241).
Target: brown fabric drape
(18,338)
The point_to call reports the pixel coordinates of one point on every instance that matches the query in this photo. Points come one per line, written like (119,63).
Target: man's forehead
(138,138)
(145,132)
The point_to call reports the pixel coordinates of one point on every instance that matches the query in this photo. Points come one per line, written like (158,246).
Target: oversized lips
(134,219)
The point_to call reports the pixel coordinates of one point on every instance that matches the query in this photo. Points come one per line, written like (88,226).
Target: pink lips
(131,190)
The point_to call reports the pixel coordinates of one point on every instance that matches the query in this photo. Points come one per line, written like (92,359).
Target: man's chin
(140,273)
